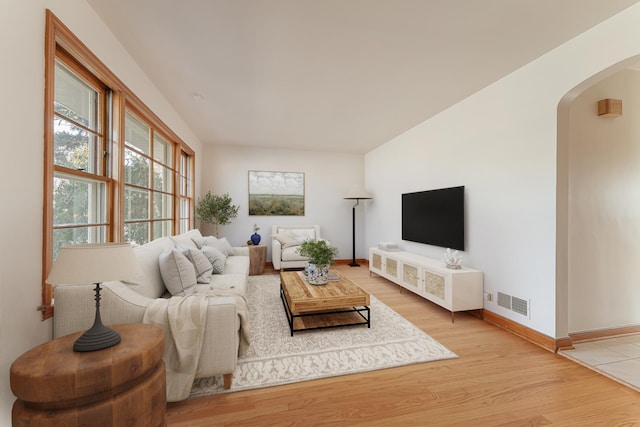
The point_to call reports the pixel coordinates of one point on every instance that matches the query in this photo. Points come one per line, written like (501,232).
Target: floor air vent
(515,304)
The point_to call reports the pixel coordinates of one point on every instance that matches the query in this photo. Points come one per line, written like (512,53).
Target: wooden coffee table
(338,303)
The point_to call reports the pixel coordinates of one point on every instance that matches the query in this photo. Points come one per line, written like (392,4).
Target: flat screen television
(434,217)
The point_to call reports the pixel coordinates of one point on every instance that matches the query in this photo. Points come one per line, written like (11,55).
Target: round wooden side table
(257,259)
(124,385)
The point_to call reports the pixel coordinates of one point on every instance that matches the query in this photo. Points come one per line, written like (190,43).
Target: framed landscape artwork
(276,193)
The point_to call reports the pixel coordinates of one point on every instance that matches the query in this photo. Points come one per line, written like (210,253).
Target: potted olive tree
(216,210)
(321,255)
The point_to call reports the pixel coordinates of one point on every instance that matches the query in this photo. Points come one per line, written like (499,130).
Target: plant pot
(255,238)
(317,274)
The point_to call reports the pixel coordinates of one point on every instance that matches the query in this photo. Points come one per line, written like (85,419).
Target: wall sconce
(610,107)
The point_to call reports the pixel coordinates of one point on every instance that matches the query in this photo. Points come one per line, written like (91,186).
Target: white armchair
(285,241)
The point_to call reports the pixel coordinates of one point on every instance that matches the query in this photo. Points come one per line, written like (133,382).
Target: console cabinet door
(411,277)
(384,265)
(437,288)
(375,262)
(391,268)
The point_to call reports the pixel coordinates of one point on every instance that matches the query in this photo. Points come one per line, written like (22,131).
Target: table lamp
(357,192)
(94,263)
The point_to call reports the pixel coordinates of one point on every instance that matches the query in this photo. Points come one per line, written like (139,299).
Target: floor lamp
(357,192)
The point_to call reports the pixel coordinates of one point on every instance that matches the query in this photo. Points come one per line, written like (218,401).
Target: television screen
(434,217)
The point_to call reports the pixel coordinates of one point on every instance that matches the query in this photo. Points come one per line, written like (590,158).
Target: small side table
(257,259)
(117,386)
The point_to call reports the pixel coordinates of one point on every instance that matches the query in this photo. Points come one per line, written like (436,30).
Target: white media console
(455,290)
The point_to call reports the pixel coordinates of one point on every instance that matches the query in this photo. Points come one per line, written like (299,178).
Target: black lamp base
(354,264)
(99,336)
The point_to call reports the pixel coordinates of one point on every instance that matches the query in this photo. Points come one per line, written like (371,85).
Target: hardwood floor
(499,379)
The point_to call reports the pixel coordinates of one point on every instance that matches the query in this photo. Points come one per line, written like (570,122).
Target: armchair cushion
(303,234)
(286,239)
(291,254)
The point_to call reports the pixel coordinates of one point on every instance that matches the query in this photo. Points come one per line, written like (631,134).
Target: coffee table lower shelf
(325,319)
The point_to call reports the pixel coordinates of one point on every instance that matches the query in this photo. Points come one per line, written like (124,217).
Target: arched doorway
(598,209)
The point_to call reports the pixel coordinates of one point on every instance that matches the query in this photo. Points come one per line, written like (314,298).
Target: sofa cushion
(186,240)
(216,259)
(149,283)
(201,264)
(236,265)
(226,281)
(178,273)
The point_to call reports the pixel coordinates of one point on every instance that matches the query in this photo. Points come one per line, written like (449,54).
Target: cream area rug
(274,357)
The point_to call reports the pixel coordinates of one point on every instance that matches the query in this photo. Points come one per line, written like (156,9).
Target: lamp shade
(93,263)
(358,192)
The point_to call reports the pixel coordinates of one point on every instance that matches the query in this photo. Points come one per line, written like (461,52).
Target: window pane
(162,206)
(137,134)
(184,207)
(162,178)
(74,147)
(184,225)
(136,169)
(161,229)
(78,201)
(136,233)
(162,151)
(185,175)
(75,99)
(72,236)
(136,202)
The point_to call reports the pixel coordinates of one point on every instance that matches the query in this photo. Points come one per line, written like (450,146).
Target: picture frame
(276,193)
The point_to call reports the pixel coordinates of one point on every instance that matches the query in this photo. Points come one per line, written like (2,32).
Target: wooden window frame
(60,41)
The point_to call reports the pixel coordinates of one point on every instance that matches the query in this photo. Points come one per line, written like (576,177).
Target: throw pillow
(303,234)
(204,241)
(285,239)
(177,272)
(222,244)
(227,249)
(216,258)
(200,263)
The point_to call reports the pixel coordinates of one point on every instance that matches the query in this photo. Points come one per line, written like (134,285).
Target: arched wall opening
(598,205)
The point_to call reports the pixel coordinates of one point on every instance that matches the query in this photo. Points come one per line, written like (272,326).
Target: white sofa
(285,241)
(126,303)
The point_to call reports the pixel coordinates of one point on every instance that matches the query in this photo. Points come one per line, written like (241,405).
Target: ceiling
(335,75)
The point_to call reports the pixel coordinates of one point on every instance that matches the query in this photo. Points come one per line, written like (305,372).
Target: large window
(148,182)
(113,170)
(80,184)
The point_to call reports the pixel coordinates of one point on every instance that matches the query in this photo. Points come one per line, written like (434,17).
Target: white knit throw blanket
(183,320)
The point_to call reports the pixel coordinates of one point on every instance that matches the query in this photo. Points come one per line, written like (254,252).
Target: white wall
(604,207)
(328,177)
(501,144)
(22,25)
